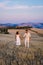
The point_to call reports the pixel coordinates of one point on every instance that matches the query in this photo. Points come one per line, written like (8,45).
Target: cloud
(16,7)
(37,7)
(22,7)
(3,5)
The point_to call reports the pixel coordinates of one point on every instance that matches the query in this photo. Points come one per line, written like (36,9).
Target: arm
(20,37)
(24,35)
(30,36)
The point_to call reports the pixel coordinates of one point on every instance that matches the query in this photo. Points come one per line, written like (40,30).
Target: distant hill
(34,25)
(8,24)
(38,25)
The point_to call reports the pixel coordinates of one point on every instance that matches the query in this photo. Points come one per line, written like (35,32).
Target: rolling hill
(34,25)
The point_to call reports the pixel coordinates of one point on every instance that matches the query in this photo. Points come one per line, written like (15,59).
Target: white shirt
(27,36)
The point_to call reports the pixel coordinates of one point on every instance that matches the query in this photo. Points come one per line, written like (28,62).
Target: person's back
(18,38)
(27,36)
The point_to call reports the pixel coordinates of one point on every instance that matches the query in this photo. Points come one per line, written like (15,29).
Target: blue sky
(16,11)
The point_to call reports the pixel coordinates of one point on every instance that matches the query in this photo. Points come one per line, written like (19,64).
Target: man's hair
(26,29)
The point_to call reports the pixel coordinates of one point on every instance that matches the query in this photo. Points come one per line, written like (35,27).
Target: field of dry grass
(39,31)
(10,54)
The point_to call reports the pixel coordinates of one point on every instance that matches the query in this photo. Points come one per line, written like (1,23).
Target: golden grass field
(10,54)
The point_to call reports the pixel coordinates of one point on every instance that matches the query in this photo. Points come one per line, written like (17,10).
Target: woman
(18,41)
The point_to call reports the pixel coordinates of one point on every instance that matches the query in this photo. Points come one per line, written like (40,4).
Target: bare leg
(28,44)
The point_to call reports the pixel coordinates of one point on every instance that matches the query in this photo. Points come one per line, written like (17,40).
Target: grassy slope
(10,54)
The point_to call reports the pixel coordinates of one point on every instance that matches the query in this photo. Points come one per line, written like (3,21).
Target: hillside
(30,24)
(10,54)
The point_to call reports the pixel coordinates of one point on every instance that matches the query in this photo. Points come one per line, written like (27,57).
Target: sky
(20,11)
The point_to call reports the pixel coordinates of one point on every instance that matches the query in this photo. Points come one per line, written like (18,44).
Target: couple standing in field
(26,37)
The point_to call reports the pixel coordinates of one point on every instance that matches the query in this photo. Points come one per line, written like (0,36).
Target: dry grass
(39,31)
(10,54)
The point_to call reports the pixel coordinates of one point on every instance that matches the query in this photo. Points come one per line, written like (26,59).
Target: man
(27,37)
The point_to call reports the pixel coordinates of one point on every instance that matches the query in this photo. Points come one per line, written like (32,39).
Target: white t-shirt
(27,36)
